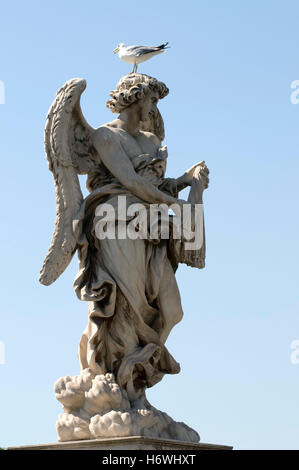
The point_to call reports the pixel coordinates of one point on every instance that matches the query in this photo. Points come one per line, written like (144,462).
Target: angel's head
(143,92)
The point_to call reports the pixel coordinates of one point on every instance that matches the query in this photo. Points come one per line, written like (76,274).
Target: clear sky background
(229,71)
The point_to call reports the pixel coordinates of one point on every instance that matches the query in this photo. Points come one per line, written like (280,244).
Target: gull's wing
(69,152)
(142,50)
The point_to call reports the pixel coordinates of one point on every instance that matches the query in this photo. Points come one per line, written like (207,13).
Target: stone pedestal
(125,443)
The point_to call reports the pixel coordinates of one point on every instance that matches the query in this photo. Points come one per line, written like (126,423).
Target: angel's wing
(69,152)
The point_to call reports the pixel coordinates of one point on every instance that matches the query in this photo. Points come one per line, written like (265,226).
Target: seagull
(137,54)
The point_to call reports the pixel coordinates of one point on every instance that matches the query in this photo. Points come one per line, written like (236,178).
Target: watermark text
(152,222)
(2,92)
(295,353)
(2,353)
(294,97)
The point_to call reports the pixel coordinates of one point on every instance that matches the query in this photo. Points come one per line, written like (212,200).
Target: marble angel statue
(129,284)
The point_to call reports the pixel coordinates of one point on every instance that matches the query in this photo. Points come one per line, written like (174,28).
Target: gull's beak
(116,50)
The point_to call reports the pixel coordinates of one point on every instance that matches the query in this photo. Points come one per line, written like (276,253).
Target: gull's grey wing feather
(69,152)
(146,50)
(142,50)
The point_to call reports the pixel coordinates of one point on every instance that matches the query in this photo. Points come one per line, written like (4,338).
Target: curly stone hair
(134,87)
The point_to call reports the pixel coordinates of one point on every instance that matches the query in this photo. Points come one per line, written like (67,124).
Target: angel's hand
(170,186)
(199,170)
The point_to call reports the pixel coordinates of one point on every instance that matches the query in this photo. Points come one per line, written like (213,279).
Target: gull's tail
(163,46)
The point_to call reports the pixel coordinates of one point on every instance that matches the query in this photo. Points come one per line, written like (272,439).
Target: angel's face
(148,106)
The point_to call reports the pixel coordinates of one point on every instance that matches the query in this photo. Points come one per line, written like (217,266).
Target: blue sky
(229,70)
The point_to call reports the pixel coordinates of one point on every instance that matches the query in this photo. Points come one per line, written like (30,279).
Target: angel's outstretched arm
(113,156)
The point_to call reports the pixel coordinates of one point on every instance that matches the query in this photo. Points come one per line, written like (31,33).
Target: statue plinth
(125,443)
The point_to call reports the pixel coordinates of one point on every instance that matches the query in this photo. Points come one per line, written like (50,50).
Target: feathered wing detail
(70,152)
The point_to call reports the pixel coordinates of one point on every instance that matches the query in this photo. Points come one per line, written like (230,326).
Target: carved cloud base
(95,407)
